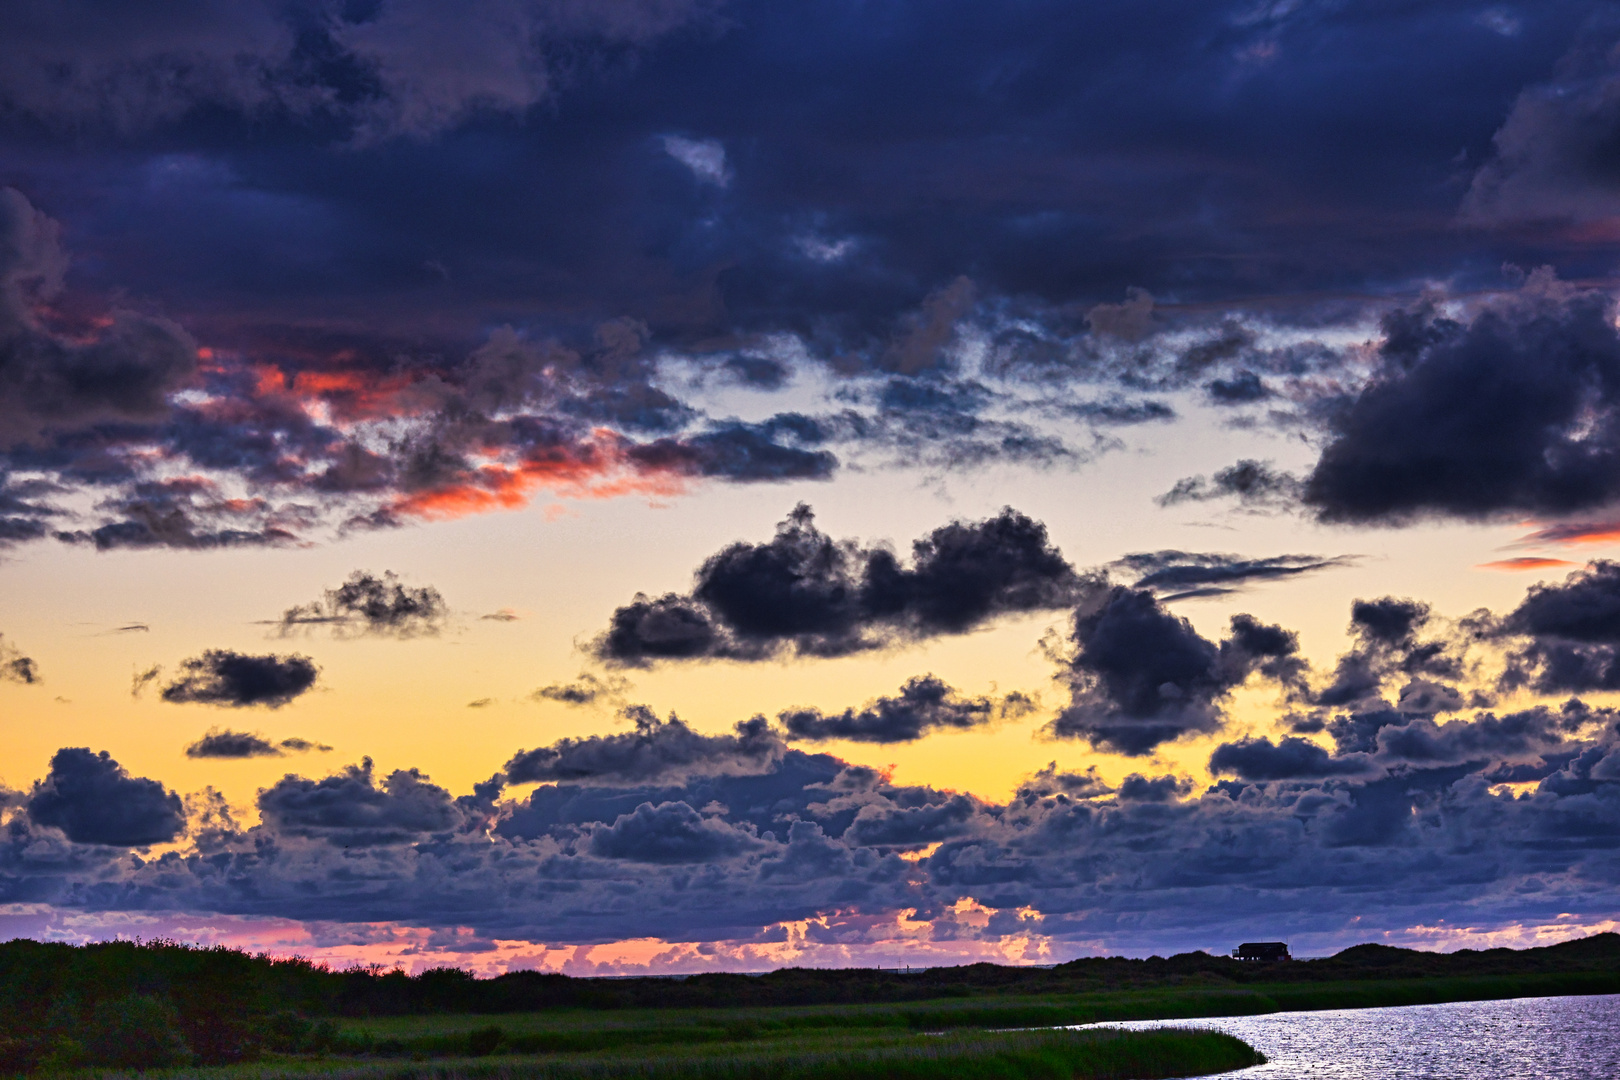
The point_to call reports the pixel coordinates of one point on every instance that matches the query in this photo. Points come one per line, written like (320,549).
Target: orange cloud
(351,395)
(591,471)
(1529,562)
(356,395)
(1579,532)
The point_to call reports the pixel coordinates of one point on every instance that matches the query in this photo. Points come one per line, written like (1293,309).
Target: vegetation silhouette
(139,1005)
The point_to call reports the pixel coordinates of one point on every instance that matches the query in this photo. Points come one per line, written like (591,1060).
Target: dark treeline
(356,993)
(143,1004)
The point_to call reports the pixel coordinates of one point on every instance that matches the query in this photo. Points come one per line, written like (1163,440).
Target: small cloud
(1500,21)
(1574,532)
(481,703)
(506,614)
(226,744)
(142,679)
(132,628)
(1252,483)
(237,680)
(588,689)
(368,604)
(14,666)
(232,744)
(1184,575)
(825,251)
(705,157)
(1528,562)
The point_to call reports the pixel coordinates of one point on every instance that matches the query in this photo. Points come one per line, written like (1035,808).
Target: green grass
(1021,1055)
(956,1038)
(582,1030)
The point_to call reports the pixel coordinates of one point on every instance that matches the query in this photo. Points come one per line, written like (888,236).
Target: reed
(584,1030)
(1021,1055)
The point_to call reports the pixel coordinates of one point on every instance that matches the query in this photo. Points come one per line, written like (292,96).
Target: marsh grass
(585,1031)
(1019,1055)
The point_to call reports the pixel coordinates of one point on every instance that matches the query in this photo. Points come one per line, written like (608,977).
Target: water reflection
(1557,1038)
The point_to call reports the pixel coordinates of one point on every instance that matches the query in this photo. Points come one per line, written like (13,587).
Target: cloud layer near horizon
(689,837)
(1395,756)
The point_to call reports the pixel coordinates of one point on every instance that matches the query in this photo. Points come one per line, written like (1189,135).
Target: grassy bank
(122,1005)
(583,1031)
(1045,1055)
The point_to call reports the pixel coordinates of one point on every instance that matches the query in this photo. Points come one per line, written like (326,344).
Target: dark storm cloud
(759,372)
(1388,644)
(53,383)
(1352,732)
(1053,781)
(656,750)
(1369,745)
(1243,388)
(225,167)
(1570,633)
(1291,758)
(16,667)
(188,513)
(885,825)
(350,809)
(949,420)
(637,407)
(218,743)
(1413,829)
(1142,676)
(804,593)
(1553,161)
(667,628)
(408,67)
(1522,736)
(738,452)
(270,449)
(1154,789)
(93,800)
(368,604)
(1185,574)
(924,704)
(23,516)
(670,832)
(237,680)
(1233,130)
(1389,621)
(20,530)
(1512,410)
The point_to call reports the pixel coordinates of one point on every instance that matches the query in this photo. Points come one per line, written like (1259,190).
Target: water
(1554,1038)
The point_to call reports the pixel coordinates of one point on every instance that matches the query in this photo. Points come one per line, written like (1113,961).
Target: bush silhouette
(484,1040)
(135,1032)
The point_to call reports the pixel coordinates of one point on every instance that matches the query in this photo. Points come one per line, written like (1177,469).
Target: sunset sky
(672,485)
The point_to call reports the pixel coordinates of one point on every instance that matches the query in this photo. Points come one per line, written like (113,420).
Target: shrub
(135,1032)
(484,1041)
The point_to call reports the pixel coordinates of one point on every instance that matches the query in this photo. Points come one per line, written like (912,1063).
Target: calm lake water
(1567,1038)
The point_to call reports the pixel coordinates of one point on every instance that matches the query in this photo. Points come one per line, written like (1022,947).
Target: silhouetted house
(1262,951)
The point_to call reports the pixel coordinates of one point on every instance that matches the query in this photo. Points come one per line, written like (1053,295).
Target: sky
(623,486)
